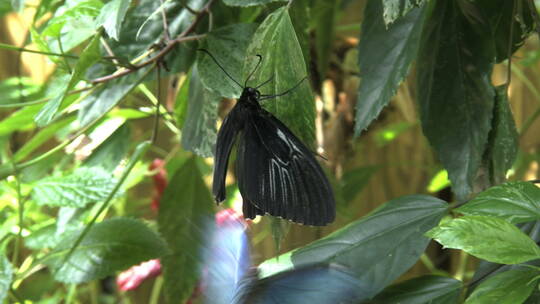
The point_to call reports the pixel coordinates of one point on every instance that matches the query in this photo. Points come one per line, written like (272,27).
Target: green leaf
(109,154)
(488,238)
(22,120)
(229,43)
(300,12)
(503,138)
(6,275)
(438,182)
(181,103)
(515,202)
(249,2)
(68,220)
(276,41)
(395,9)
(89,56)
(185,209)
(510,287)
(324,15)
(72,24)
(422,290)
(112,15)
(200,131)
(41,137)
(83,186)
(109,246)
(383,65)
(498,16)
(456,96)
(388,241)
(105,98)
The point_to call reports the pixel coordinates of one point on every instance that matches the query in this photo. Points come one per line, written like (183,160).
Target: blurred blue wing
(226,262)
(315,284)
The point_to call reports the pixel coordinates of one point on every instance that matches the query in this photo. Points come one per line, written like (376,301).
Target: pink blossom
(134,276)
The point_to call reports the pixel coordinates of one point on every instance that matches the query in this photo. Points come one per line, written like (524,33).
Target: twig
(156,119)
(21,49)
(165,25)
(510,43)
(182,37)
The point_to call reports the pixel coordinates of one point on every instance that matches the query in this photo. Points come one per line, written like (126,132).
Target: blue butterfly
(229,278)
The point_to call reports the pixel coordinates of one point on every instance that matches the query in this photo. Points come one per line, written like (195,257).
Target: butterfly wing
(315,284)
(226,137)
(278,174)
(226,263)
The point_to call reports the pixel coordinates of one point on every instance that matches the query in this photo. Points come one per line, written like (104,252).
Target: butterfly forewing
(225,140)
(279,175)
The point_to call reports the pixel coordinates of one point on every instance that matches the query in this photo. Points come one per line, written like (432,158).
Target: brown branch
(182,37)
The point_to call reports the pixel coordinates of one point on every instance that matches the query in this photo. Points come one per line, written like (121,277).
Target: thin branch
(20,49)
(156,119)
(182,37)
(165,25)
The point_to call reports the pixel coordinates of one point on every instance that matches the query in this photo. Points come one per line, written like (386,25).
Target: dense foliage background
(426,112)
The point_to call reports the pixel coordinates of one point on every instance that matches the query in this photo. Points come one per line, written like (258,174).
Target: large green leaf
(395,9)
(503,138)
(488,238)
(455,93)
(510,287)
(381,246)
(112,15)
(184,211)
(106,97)
(276,41)
(6,275)
(229,44)
(248,2)
(199,132)
(383,65)
(109,153)
(422,290)
(515,202)
(89,56)
(68,220)
(109,246)
(77,189)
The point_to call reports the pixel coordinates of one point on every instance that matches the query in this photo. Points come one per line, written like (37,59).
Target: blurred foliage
(101,88)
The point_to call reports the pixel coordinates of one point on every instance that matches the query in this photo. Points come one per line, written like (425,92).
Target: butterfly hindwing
(314,284)
(279,175)
(227,262)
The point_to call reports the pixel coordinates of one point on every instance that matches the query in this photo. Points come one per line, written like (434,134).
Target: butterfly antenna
(263,97)
(255,69)
(220,66)
(267,81)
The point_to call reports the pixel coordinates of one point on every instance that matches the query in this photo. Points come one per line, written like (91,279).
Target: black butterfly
(229,278)
(277,174)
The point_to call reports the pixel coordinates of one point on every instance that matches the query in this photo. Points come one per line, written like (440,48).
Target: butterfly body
(277,174)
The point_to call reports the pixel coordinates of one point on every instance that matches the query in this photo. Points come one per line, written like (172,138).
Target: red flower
(133,277)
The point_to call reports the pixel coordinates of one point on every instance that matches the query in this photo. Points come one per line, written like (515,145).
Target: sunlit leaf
(112,15)
(515,202)
(510,287)
(200,131)
(229,45)
(438,182)
(109,246)
(274,38)
(488,238)
(83,186)
(395,9)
